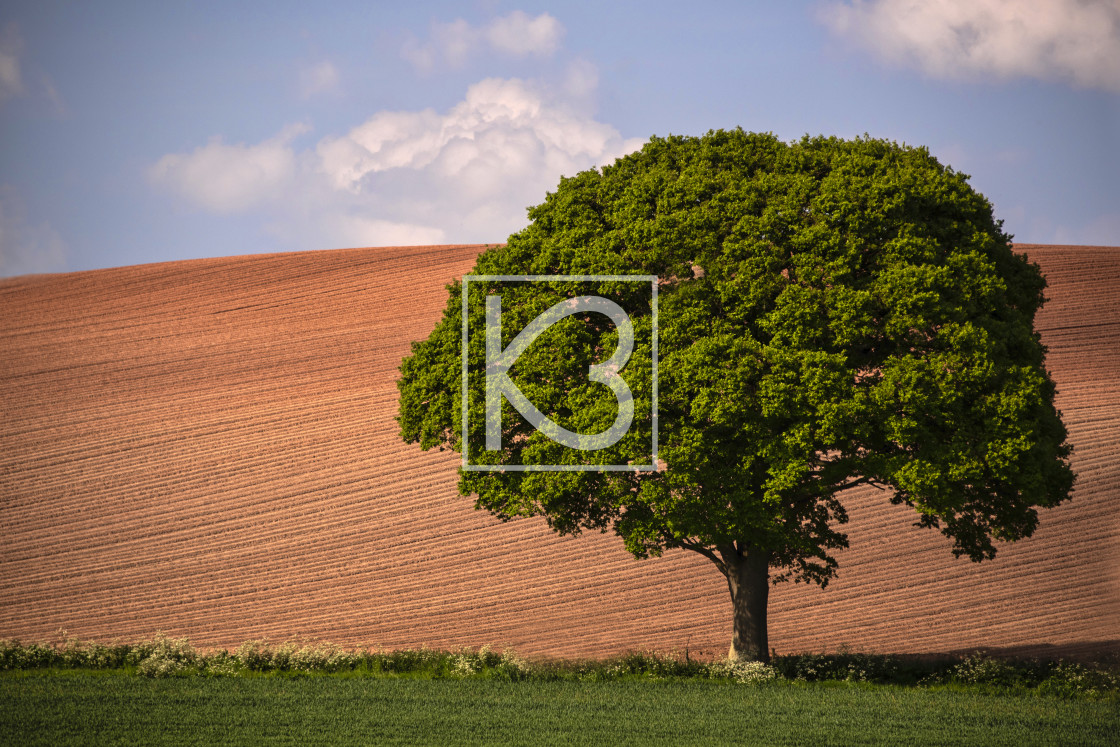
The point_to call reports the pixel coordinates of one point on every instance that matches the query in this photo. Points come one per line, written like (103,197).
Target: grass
(164,691)
(59,707)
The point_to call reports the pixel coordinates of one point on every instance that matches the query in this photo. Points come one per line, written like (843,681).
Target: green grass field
(58,707)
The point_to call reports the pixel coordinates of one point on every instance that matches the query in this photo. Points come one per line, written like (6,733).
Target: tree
(832,314)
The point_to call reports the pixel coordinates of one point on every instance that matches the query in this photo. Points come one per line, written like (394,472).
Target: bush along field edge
(164,656)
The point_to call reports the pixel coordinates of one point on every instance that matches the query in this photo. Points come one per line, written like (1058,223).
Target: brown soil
(208,448)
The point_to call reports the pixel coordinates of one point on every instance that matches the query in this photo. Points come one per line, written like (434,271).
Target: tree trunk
(748,579)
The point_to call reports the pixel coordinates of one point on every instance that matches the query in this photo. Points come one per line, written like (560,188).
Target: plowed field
(208,448)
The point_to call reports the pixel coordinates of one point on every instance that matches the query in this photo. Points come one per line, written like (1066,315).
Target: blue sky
(145,132)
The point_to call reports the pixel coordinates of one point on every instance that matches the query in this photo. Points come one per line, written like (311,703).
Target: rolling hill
(208,448)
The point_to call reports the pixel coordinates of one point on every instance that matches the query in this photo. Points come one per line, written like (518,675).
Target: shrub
(985,670)
(1078,679)
(744,672)
(844,666)
(165,656)
(14,655)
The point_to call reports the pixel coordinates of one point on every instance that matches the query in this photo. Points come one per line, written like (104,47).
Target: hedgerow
(164,656)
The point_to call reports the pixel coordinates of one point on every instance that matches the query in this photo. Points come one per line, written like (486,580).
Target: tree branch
(853,483)
(706,552)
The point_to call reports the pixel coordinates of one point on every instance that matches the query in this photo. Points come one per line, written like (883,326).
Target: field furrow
(209,448)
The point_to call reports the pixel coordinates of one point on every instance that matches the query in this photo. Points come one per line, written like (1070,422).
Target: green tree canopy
(832,313)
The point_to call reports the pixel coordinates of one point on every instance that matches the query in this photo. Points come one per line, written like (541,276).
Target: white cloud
(1103,231)
(231,178)
(516,34)
(25,248)
(342,231)
(16,81)
(52,96)
(11,77)
(406,177)
(1070,40)
(318,79)
(472,171)
(581,79)
(519,35)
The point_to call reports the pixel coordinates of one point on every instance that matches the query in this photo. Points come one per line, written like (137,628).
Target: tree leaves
(831,313)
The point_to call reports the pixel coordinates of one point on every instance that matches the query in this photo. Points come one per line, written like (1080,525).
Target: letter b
(499,361)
